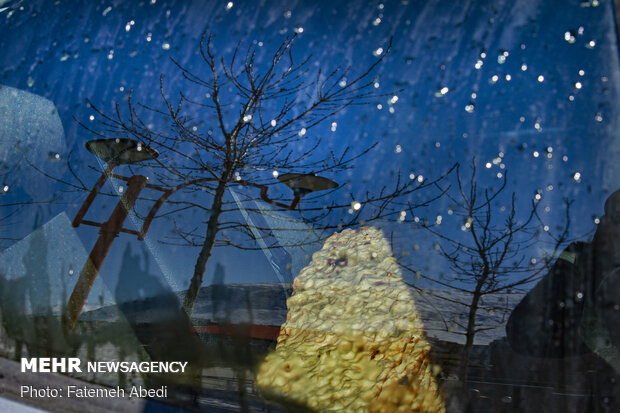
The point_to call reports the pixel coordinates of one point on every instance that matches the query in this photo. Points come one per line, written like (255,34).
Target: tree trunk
(242,391)
(207,247)
(470,334)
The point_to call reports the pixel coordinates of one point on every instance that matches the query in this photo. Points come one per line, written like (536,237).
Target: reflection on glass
(353,339)
(245,173)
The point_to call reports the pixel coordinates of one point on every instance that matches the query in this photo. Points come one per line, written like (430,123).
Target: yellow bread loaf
(353,339)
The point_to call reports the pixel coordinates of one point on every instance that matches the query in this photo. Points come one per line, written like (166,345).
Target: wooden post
(109,231)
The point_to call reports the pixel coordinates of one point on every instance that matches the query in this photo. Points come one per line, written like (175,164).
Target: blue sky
(473,79)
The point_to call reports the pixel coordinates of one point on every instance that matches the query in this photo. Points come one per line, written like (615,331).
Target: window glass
(308,206)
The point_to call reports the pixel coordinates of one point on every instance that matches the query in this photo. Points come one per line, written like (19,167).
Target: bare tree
(264,111)
(14,209)
(494,253)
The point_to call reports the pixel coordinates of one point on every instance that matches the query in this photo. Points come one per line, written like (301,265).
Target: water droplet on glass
(356,206)
(343,82)
(506,399)
(107,10)
(229,5)
(541,78)
(5,189)
(591,44)
(30,81)
(578,85)
(302,132)
(398,149)
(287,14)
(444,90)
(577,176)
(299,29)
(501,56)
(467,223)
(273,122)
(275,174)
(494,79)
(524,67)
(581,72)
(508,78)
(598,117)
(334,126)
(570,36)
(478,64)
(470,107)
(378,51)
(165,46)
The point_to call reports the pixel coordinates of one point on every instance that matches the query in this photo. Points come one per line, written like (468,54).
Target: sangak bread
(353,339)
